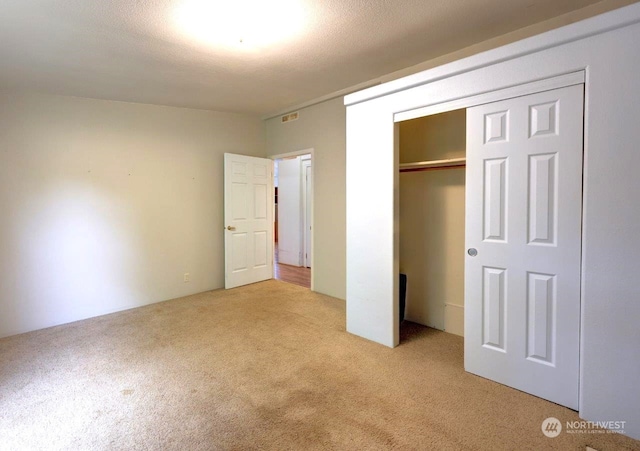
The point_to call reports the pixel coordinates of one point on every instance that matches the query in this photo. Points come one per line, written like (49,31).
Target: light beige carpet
(268,366)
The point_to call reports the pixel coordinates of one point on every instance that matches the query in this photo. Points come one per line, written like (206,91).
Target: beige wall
(323,128)
(432,209)
(105,205)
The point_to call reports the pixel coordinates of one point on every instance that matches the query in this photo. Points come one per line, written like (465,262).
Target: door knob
(472,252)
(231,228)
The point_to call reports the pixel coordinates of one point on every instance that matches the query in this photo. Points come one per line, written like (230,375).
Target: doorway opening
(293,217)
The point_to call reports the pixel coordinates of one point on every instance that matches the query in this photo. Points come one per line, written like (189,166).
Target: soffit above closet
(137,52)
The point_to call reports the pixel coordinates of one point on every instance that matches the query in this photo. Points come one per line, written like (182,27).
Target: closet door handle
(231,228)
(472,251)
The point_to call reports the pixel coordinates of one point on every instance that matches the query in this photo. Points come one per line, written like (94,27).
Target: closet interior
(432,218)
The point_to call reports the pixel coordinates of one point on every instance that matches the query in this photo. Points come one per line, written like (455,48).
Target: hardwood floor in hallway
(291,274)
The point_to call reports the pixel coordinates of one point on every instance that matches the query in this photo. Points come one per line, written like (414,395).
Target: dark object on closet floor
(403,296)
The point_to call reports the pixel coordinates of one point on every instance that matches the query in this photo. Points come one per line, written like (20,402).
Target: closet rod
(440,168)
(434,164)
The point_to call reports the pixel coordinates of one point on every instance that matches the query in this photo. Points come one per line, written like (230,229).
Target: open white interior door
(523,235)
(248,215)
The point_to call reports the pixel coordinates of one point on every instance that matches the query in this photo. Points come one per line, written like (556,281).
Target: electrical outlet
(186,277)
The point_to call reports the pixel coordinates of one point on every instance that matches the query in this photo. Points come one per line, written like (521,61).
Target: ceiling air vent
(290,117)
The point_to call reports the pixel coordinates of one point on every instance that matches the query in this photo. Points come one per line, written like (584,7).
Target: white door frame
(298,153)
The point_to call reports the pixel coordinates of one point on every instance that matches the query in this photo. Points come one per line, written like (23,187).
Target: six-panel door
(248,208)
(523,224)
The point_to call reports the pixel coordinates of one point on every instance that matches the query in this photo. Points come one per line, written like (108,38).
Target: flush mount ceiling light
(247,24)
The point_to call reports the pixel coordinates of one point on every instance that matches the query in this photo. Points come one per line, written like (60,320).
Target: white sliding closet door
(523,235)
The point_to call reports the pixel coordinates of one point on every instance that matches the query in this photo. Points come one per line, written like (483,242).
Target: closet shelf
(433,164)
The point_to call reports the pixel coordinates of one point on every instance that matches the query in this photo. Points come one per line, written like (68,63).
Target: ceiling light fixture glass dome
(249,24)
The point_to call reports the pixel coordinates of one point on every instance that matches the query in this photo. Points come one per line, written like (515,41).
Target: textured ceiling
(139,51)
